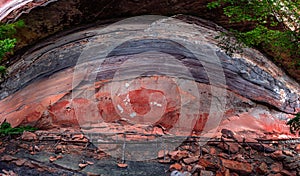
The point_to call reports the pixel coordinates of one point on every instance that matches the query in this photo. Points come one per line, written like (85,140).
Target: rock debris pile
(68,151)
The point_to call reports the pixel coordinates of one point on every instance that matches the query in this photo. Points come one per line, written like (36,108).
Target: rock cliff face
(47,17)
(43,80)
(147,79)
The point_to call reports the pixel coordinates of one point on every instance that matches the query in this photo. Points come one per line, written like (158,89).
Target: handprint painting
(134,94)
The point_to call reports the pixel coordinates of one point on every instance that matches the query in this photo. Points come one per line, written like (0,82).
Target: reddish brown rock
(227,173)
(78,136)
(82,165)
(213,151)
(276,167)
(158,131)
(251,80)
(59,156)
(89,163)
(7,158)
(28,136)
(165,161)
(191,160)
(52,158)
(29,164)
(176,166)
(262,168)
(178,155)
(122,165)
(20,162)
(243,168)
(297,148)
(8,173)
(288,153)
(229,146)
(208,163)
(278,155)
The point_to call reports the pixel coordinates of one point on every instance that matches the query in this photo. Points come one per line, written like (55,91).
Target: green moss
(6,129)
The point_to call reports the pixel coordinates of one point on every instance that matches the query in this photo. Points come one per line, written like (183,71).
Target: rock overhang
(251,79)
(259,100)
(47,73)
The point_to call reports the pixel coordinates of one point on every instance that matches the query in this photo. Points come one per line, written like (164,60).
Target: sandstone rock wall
(41,83)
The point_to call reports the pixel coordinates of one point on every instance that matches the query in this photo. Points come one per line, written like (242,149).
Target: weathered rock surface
(58,15)
(246,162)
(50,86)
(47,17)
(71,155)
(42,82)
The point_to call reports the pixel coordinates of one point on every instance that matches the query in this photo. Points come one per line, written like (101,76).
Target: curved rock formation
(43,78)
(42,82)
(152,81)
(47,17)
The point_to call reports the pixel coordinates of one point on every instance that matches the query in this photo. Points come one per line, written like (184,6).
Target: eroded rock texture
(148,82)
(74,80)
(47,17)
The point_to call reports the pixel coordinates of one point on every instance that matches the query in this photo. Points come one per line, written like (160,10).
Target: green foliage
(259,11)
(294,124)
(6,45)
(7,42)
(266,14)
(8,30)
(2,70)
(6,129)
(278,41)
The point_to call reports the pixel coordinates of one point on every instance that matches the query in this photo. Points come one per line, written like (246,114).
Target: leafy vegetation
(6,129)
(295,124)
(276,25)
(7,42)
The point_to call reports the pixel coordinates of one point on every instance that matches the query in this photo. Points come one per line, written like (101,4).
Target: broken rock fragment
(175,166)
(52,158)
(122,165)
(227,133)
(28,136)
(242,168)
(82,165)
